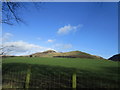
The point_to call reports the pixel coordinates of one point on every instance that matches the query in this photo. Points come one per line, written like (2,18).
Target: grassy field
(57,72)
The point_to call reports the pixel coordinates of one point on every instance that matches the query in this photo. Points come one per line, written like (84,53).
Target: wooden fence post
(28,77)
(74,81)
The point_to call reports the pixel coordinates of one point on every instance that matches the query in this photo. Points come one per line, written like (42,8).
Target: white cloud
(24,48)
(6,37)
(67,29)
(50,40)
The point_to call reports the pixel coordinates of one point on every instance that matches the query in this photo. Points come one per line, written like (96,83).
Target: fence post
(28,77)
(74,81)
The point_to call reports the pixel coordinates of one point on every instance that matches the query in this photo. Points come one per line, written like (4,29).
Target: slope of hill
(115,58)
(47,72)
(71,54)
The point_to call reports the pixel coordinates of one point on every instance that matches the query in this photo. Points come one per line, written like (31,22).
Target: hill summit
(71,54)
(49,51)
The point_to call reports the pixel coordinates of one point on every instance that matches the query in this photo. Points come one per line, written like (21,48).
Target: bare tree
(11,14)
(6,50)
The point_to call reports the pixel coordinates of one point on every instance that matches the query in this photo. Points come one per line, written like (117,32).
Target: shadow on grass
(112,69)
(44,76)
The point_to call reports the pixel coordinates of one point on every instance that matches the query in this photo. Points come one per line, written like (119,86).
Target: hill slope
(115,58)
(71,54)
(47,72)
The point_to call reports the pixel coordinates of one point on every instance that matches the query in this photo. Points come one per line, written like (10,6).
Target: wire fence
(31,77)
(17,78)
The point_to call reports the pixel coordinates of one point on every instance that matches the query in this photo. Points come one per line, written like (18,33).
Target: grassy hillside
(90,72)
(65,62)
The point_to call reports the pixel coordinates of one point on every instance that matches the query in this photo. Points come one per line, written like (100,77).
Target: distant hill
(71,54)
(115,57)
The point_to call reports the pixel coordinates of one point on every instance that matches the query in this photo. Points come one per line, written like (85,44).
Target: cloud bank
(23,48)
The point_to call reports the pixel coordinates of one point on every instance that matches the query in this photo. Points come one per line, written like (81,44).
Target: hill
(71,54)
(115,58)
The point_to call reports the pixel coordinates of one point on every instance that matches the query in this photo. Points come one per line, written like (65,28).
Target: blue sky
(88,27)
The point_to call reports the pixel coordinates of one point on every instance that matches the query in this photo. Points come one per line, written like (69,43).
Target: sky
(65,26)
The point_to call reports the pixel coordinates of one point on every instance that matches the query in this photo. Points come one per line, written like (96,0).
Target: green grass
(90,72)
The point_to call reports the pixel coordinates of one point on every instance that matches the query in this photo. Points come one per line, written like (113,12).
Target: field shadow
(45,76)
(112,69)
(114,73)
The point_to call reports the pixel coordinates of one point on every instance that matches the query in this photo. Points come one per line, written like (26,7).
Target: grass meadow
(57,72)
